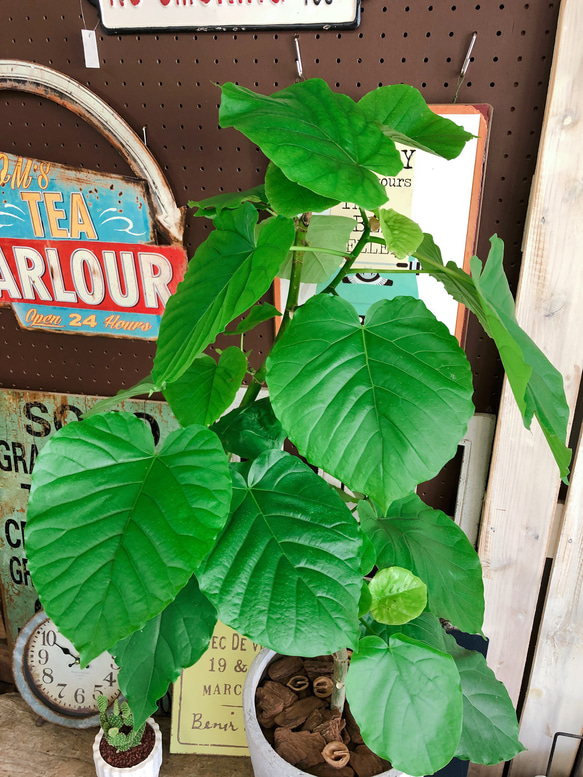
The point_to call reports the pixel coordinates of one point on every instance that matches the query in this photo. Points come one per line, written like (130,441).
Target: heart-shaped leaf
(286,570)
(319,139)
(398,596)
(250,430)
(243,269)
(489,729)
(381,406)
(332,232)
(289,198)
(402,235)
(430,544)
(207,388)
(406,118)
(412,715)
(537,386)
(114,529)
(153,657)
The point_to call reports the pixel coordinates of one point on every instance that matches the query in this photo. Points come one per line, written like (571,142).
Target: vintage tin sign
(207,712)
(45,200)
(27,420)
(77,252)
(120,15)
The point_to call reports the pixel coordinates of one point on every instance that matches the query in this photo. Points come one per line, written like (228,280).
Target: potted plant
(121,748)
(138,551)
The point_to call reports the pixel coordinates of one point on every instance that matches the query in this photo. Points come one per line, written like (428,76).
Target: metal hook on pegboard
(465,66)
(298,58)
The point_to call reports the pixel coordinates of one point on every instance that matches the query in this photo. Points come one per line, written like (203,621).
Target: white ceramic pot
(148,768)
(266,762)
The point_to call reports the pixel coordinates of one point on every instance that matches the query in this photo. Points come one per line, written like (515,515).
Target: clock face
(49,676)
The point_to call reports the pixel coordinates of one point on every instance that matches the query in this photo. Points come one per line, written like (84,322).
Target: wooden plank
(522,492)
(554,701)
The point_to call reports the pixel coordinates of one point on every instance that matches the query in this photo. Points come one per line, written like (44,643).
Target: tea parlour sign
(77,251)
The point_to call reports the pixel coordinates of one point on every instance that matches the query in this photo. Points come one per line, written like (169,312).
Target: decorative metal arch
(38,79)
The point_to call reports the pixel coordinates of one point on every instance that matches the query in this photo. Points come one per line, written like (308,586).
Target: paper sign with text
(207,712)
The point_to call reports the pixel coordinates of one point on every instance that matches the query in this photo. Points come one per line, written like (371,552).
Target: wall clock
(49,677)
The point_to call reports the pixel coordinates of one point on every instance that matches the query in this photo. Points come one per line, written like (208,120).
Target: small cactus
(118,727)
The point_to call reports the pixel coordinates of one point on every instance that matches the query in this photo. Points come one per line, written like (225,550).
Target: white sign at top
(120,15)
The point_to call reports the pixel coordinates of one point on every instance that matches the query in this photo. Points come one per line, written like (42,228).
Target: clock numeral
(97,691)
(62,686)
(109,679)
(48,675)
(43,656)
(49,638)
(79,696)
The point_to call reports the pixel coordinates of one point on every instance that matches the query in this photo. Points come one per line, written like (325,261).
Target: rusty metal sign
(77,253)
(27,420)
(120,15)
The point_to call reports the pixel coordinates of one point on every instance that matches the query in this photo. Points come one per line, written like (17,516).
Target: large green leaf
(319,139)
(212,206)
(542,394)
(537,386)
(115,530)
(250,430)
(153,657)
(289,198)
(286,570)
(490,729)
(332,232)
(405,117)
(381,406)
(406,698)
(430,544)
(397,595)
(207,388)
(230,271)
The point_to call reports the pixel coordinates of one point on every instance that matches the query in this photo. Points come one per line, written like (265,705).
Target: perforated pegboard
(165,83)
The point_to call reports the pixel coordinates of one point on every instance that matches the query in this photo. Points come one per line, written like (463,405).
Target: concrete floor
(31,750)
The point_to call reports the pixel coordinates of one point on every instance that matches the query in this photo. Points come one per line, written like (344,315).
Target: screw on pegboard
(298,58)
(465,66)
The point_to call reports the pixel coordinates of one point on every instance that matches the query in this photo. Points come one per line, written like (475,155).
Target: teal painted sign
(27,421)
(45,200)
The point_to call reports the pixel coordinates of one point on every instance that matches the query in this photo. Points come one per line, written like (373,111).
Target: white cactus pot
(148,768)
(266,762)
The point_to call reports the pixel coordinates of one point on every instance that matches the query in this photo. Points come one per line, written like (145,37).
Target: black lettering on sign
(18,571)
(14,457)
(5,459)
(45,426)
(14,533)
(61,412)
(153,425)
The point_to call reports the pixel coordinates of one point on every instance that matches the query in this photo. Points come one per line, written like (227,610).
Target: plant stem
(339,677)
(352,257)
(258,378)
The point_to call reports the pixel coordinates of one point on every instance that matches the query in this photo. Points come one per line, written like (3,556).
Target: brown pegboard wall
(165,82)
